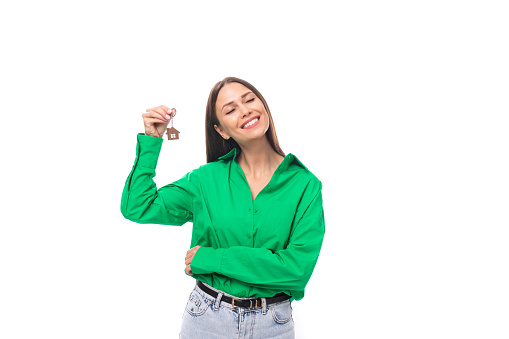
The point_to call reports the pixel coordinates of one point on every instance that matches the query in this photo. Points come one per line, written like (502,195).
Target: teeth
(250,123)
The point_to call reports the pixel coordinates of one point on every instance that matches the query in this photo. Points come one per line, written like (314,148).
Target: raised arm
(143,203)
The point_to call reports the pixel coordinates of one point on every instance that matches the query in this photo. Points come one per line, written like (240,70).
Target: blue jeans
(208,317)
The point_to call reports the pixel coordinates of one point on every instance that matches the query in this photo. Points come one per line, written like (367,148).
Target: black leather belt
(254,302)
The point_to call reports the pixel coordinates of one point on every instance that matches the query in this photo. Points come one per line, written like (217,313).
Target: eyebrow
(231,102)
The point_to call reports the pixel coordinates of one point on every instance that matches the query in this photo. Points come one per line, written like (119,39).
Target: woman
(258,220)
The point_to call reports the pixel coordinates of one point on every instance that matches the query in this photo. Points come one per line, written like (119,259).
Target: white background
(400,108)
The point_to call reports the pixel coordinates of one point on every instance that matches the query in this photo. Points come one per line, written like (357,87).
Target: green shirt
(248,248)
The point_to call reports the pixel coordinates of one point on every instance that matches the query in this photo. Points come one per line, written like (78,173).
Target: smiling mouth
(251,123)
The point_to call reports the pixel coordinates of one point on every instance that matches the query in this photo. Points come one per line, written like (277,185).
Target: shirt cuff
(147,150)
(207,260)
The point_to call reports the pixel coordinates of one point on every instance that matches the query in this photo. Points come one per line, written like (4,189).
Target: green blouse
(248,248)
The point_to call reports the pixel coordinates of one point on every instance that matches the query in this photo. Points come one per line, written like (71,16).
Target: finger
(162,112)
(158,110)
(154,121)
(170,111)
(156,116)
(153,115)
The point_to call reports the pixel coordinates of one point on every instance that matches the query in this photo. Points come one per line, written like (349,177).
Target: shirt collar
(289,159)
(231,154)
(293,159)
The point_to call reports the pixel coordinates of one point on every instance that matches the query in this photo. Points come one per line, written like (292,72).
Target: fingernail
(167,116)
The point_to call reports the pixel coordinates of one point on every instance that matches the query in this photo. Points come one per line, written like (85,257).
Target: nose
(245,110)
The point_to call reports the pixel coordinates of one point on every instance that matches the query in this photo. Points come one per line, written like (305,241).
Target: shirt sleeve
(143,203)
(288,269)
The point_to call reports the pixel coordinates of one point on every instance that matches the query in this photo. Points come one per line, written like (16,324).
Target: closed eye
(234,108)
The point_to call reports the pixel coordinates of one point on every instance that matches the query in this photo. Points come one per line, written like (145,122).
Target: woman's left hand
(189,257)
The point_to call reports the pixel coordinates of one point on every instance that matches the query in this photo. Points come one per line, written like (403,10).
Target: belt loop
(251,303)
(218,300)
(264,306)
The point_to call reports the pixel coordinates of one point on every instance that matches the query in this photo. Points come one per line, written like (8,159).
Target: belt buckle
(233,302)
(250,303)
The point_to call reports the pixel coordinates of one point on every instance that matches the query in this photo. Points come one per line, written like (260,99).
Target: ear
(220,131)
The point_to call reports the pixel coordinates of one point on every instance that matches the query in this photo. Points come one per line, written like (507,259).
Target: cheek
(230,122)
(266,128)
(267,122)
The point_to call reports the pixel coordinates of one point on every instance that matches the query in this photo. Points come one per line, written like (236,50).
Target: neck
(258,158)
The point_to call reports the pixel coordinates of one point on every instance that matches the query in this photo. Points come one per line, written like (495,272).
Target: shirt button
(248,235)
(256,210)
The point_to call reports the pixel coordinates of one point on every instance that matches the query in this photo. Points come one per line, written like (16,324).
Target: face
(237,105)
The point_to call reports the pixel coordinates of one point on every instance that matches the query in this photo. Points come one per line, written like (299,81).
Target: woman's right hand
(156,120)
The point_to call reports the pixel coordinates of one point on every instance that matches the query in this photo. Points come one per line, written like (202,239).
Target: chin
(256,136)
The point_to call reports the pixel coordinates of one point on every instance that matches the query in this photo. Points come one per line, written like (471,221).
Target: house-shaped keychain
(173,133)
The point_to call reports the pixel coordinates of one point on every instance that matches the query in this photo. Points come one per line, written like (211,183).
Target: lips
(245,122)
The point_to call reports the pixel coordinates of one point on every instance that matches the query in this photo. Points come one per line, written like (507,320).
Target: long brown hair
(215,143)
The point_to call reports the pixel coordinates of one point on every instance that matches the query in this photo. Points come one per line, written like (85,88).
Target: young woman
(257,214)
